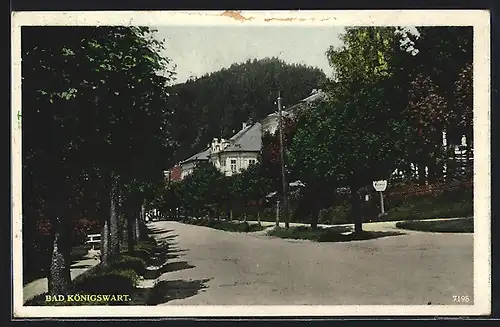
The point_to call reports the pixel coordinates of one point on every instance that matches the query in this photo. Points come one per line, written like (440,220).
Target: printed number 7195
(461,298)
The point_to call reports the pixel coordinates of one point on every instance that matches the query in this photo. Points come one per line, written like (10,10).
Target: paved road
(254,269)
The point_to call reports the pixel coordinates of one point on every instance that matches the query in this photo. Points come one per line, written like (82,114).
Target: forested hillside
(216,104)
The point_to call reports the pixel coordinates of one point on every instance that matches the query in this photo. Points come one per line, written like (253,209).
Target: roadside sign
(380,186)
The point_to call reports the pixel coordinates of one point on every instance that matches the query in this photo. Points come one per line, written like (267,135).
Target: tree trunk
(105,242)
(59,276)
(122,223)
(131,237)
(421,173)
(314,201)
(258,217)
(113,222)
(137,231)
(356,209)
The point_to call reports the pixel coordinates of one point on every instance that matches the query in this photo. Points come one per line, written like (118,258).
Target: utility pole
(283,172)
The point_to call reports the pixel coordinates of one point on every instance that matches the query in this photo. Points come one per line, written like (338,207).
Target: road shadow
(170,237)
(82,266)
(173,256)
(176,250)
(364,236)
(159,231)
(166,291)
(175,266)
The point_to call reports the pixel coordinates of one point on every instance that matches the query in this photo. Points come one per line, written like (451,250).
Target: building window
(223,162)
(233,165)
(251,161)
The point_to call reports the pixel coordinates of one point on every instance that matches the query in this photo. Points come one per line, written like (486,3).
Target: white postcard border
(480,20)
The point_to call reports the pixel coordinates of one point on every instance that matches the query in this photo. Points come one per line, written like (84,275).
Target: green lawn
(242,227)
(229,226)
(332,234)
(465,225)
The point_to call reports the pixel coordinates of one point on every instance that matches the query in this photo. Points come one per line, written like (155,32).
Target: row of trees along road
(392,96)
(96,128)
(209,192)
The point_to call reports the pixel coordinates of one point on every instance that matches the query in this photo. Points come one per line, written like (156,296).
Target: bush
(99,280)
(144,249)
(125,262)
(307,233)
(442,226)
(230,226)
(243,227)
(332,234)
(107,280)
(432,208)
(335,215)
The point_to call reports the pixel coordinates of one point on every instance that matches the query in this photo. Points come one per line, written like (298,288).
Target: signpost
(380,186)
(277,212)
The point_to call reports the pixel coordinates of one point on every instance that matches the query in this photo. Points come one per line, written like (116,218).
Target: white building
(187,166)
(240,151)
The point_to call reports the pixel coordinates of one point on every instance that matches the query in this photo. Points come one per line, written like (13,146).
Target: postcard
(251,163)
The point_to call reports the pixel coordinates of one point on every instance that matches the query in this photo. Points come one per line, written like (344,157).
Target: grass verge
(332,234)
(228,226)
(118,278)
(465,225)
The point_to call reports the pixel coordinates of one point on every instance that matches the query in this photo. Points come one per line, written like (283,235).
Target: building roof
(316,95)
(201,156)
(249,139)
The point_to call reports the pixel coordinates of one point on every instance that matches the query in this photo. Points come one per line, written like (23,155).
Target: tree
(271,161)
(439,99)
(98,91)
(358,134)
(252,186)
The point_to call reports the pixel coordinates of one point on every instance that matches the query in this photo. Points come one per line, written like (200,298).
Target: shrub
(125,262)
(107,280)
(443,226)
(335,215)
(144,249)
(142,253)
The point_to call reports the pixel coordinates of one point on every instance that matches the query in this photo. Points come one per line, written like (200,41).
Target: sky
(197,50)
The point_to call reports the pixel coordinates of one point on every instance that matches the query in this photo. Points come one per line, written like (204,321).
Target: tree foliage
(95,119)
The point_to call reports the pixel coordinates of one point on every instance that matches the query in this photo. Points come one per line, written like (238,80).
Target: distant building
(240,151)
(232,156)
(188,165)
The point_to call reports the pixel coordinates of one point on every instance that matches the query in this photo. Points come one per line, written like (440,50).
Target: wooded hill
(216,104)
